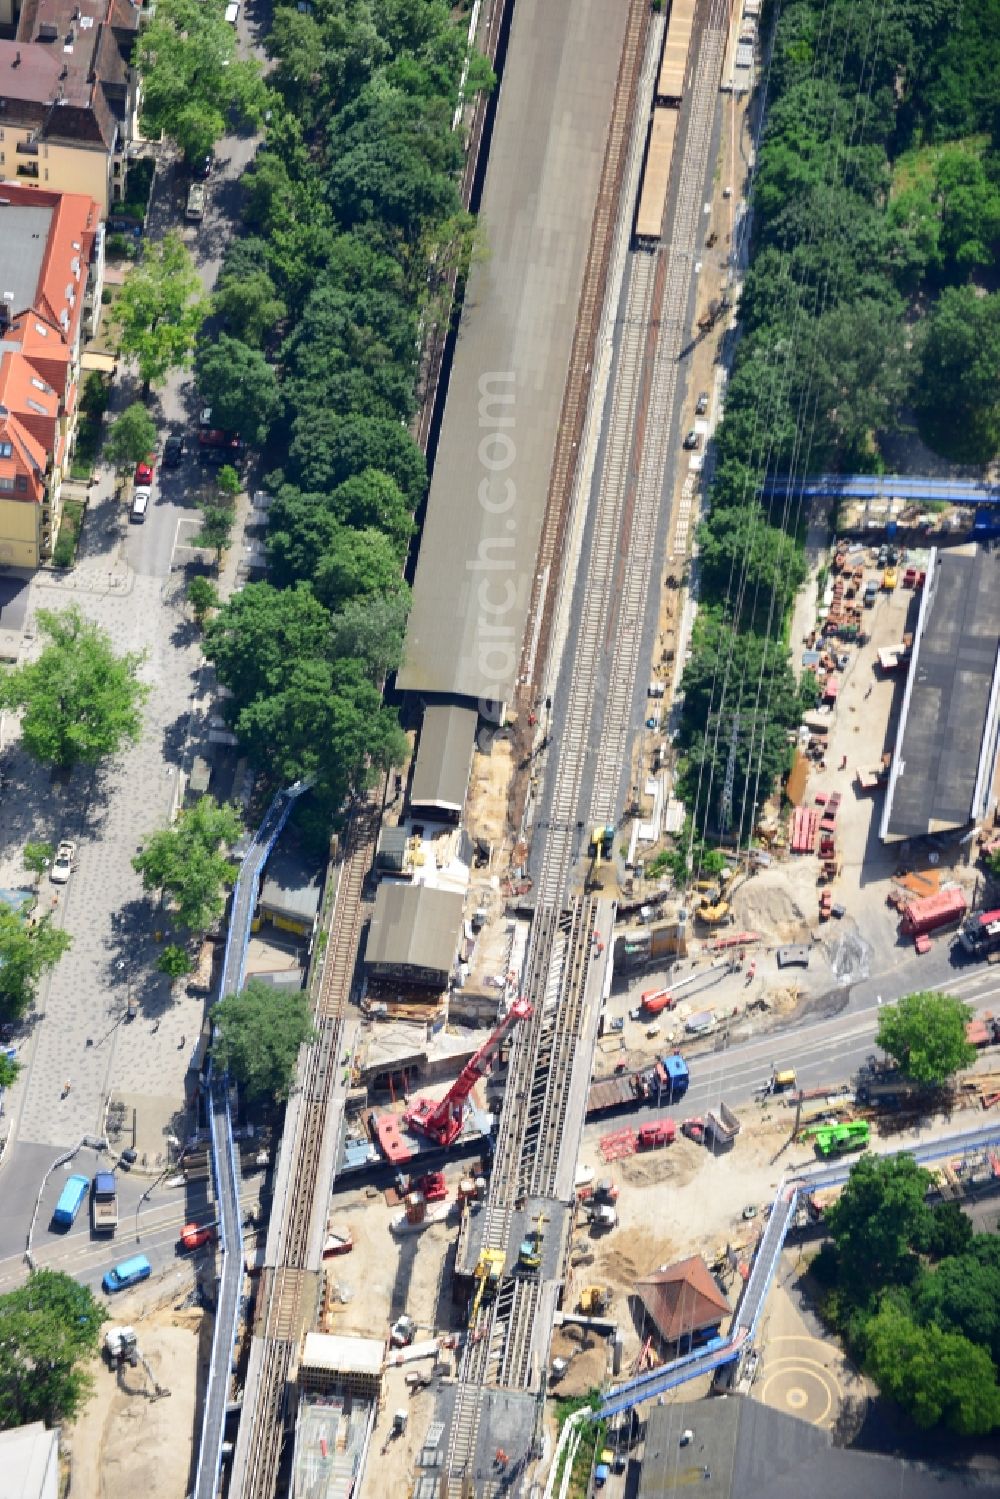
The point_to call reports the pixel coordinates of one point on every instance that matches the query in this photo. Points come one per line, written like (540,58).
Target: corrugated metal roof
(414,926)
(444,758)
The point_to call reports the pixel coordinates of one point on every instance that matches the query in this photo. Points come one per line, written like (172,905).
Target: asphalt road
(824,1052)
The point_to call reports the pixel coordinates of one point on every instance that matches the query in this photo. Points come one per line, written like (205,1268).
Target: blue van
(128,1273)
(70,1201)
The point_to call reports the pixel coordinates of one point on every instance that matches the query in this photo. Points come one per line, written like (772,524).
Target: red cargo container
(933,912)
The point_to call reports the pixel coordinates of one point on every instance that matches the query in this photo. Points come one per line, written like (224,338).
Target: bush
(107,296)
(64,551)
(120,247)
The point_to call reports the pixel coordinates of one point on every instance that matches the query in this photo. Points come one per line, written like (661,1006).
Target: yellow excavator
(602,858)
(488,1272)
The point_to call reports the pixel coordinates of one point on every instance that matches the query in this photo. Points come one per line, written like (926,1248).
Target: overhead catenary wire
(733,608)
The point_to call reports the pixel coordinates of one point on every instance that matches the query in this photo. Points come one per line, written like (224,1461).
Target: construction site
(568,1113)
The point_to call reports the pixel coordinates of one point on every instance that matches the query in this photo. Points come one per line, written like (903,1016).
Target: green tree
(37,857)
(326,721)
(258,1038)
(132,437)
(939,1378)
(80,702)
(925,1034)
(186,865)
(249,306)
(239,385)
(191,75)
(879,1222)
(203,596)
(962,1295)
(358,564)
(160,309)
(762,566)
(174,961)
(257,635)
(958,393)
(50,1328)
(26,953)
(10,1071)
(216,528)
(372,631)
(228,481)
(328,449)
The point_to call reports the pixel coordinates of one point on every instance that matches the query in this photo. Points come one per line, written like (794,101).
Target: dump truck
(722,1124)
(104,1203)
(933,912)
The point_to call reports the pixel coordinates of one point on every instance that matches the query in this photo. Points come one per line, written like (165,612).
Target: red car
(143,475)
(194,1235)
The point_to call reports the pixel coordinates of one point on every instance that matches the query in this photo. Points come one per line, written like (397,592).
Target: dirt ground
(386,1275)
(127,1443)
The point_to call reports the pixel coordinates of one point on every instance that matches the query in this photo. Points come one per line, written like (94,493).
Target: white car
(140,503)
(62,864)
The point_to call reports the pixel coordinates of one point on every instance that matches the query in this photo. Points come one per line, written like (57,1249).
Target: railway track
(290,1281)
(630,586)
(611,603)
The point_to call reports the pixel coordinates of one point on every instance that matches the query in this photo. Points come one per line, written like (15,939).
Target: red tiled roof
(683,1299)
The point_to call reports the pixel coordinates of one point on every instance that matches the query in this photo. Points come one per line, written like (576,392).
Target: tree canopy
(80,702)
(160,308)
(925,1033)
(939,1378)
(259,1035)
(240,386)
(191,75)
(132,437)
(26,953)
(50,1328)
(185,863)
(958,392)
(880,1220)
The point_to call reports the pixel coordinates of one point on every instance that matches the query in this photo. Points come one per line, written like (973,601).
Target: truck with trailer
(663,1082)
(104,1203)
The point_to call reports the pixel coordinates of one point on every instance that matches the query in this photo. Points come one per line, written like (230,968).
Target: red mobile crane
(440,1119)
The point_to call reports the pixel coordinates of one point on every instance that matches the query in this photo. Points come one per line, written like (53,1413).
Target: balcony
(29,170)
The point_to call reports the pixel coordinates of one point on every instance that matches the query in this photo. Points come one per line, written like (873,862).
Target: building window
(6,450)
(22,483)
(6,486)
(46,174)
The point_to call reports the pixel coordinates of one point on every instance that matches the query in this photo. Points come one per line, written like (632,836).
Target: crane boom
(440,1119)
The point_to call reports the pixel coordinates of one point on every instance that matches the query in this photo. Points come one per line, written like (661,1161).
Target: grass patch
(88,443)
(64,551)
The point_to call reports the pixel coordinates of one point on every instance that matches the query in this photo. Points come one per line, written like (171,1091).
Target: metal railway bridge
(225,1169)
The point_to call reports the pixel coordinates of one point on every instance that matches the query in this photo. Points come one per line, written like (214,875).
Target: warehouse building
(443,763)
(414,934)
(944,762)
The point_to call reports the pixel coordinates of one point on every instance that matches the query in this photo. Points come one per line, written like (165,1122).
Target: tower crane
(440,1119)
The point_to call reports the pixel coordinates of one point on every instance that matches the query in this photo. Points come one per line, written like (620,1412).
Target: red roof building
(51,271)
(683,1300)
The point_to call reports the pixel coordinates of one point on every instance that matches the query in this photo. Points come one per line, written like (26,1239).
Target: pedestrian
(180,1044)
(843,762)
(869,692)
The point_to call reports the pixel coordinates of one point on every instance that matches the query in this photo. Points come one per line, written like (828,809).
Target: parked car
(173,452)
(693,439)
(233,12)
(202,167)
(62,864)
(140,504)
(195,210)
(143,475)
(128,1273)
(702,405)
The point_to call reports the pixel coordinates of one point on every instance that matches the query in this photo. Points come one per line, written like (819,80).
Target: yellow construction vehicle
(488,1272)
(713,906)
(594,1300)
(530,1254)
(601,849)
